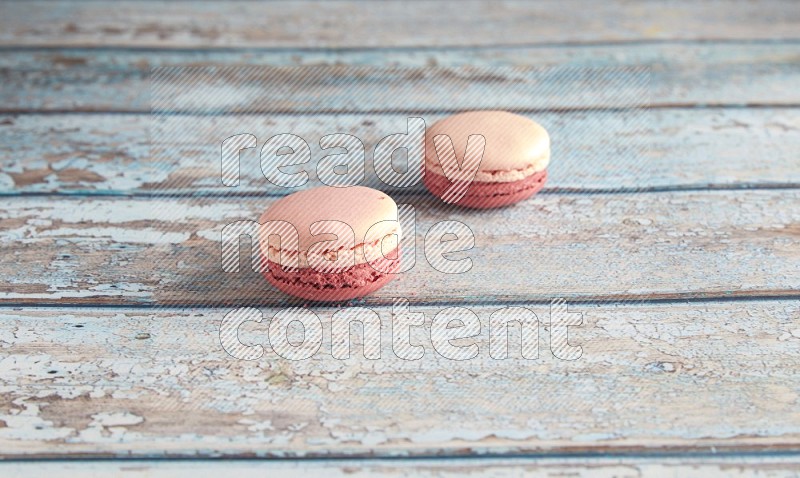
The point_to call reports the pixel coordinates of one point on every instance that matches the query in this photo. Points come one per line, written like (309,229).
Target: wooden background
(109,336)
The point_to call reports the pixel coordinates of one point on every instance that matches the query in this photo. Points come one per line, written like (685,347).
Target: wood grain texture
(680,74)
(688,467)
(703,377)
(663,386)
(597,151)
(393,24)
(580,246)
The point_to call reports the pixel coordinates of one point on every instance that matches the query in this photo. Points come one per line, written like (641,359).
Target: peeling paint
(97,387)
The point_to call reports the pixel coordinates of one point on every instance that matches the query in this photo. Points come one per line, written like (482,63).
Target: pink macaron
(346,243)
(486,159)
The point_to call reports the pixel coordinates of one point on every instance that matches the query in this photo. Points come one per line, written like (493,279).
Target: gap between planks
(637,301)
(400,49)
(177,194)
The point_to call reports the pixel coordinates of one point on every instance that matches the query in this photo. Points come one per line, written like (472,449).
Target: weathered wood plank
(686,466)
(713,377)
(673,148)
(595,246)
(389,24)
(702,74)
(666,56)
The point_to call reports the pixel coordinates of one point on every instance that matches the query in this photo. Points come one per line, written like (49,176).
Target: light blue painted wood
(397,24)
(598,151)
(673,377)
(745,466)
(580,246)
(652,380)
(681,74)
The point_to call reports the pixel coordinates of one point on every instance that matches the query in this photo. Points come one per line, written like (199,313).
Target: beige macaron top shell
(359,207)
(516,146)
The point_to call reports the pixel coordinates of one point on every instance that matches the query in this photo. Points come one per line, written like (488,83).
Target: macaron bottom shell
(357,281)
(486,195)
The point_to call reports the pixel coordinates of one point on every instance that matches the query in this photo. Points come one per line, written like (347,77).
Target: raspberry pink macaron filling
(484,195)
(356,281)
